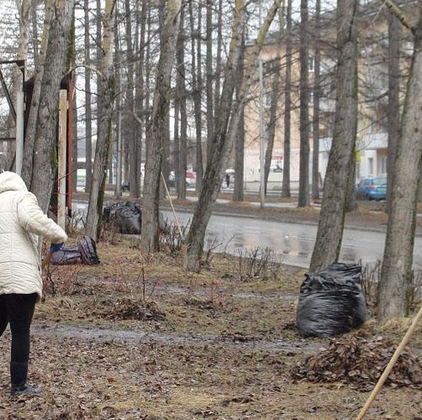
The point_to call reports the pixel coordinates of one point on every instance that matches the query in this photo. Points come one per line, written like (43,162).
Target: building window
(383,162)
(370,166)
(311,64)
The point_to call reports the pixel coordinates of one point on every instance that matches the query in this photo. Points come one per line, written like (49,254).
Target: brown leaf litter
(360,362)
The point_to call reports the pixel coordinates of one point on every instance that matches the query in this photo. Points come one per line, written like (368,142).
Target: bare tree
(149,240)
(275,93)
(104,137)
(304,106)
(224,133)
(316,95)
(238,191)
(396,272)
(331,221)
(287,102)
(45,160)
(393,110)
(196,88)
(209,77)
(88,100)
(181,93)
(31,125)
(131,138)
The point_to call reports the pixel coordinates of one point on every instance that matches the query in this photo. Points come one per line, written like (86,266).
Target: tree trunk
(275,92)
(239,163)
(315,122)
(34,21)
(287,103)
(209,76)
(396,272)
(393,111)
(140,87)
(218,64)
(181,93)
(351,202)
(197,91)
(118,108)
(104,138)
(331,220)
(31,126)
(224,134)
(130,136)
(88,102)
(45,158)
(304,107)
(149,239)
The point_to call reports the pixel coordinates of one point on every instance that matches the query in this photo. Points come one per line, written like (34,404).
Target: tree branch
(394,9)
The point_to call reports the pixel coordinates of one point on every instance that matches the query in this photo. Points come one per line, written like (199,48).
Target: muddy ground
(141,338)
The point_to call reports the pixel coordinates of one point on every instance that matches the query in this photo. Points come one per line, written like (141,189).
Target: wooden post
(61,155)
(70,174)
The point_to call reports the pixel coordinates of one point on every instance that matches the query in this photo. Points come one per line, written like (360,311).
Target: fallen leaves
(360,362)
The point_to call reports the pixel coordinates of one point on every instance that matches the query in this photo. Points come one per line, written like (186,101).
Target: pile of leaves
(360,362)
(132,309)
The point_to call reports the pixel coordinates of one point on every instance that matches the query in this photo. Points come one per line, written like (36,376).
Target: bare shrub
(371,276)
(255,263)
(76,222)
(171,238)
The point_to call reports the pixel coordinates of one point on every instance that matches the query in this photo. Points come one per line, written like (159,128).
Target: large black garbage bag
(125,216)
(331,302)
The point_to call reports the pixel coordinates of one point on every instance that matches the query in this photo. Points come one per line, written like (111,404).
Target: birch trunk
(104,137)
(88,101)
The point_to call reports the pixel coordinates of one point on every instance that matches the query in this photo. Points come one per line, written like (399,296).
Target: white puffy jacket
(21,219)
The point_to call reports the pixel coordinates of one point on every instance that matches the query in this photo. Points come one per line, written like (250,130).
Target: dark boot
(18,375)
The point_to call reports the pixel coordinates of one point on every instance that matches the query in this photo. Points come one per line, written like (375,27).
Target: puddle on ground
(111,335)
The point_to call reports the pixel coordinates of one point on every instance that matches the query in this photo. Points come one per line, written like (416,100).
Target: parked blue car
(372,188)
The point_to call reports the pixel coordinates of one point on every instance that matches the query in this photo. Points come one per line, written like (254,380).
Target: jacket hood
(9,181)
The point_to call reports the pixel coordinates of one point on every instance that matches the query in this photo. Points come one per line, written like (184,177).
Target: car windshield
(380,181)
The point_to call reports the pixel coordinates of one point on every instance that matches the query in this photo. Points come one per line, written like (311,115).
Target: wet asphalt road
(292,243)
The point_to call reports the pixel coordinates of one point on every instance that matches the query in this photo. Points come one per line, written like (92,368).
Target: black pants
(17,309)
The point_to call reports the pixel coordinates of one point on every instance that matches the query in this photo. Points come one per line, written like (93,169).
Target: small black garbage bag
(331,302)
(125,216)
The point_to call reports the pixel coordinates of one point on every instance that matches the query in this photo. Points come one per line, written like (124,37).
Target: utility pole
(261,120)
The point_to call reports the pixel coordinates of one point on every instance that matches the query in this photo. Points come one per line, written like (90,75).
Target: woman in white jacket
(21,220)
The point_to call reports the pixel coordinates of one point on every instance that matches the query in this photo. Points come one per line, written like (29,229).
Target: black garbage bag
(126,217)
(66,256)
(331,302)
(84,253)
